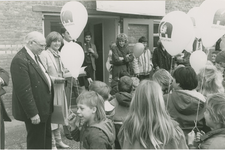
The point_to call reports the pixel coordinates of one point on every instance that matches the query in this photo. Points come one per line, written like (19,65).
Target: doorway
(98,44)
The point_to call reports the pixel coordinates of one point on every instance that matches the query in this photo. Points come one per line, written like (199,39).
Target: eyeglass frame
(39,44)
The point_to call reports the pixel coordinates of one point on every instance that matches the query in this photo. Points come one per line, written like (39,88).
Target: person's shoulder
(44,53)
(20,55)
(95,133)
(214,142)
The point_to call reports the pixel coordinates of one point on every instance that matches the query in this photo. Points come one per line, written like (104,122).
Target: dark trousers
(72,86)
(39,136)
(117,128)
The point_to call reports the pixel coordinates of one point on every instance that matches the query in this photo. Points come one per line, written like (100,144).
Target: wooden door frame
(148,22)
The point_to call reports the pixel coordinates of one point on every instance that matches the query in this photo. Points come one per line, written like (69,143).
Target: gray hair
(34,36)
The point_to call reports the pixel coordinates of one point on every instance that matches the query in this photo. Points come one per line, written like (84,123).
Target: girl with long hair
(148,125)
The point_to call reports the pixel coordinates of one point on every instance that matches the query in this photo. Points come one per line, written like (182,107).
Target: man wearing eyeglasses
(32,100)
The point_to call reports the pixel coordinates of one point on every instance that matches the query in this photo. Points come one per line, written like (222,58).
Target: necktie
(37,61)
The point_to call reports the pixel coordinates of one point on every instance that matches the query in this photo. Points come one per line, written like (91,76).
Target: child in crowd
(104,90)
(185,103)
(122,102)
(215,119)
(142,65)
(183,58)
(210,81)
(114,83)
(213,57)
(92,128)
(165,80)
(148,125)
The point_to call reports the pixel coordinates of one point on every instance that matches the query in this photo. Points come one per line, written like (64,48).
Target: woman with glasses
(53,64)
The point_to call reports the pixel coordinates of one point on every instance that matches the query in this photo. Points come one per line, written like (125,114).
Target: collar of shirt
(30,53)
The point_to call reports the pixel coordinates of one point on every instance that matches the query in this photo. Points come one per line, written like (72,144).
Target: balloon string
(70,99)
(77,83)
(171,67)
(201,90)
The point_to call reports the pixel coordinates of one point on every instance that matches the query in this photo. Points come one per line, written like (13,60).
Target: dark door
(52,23)
(98,44)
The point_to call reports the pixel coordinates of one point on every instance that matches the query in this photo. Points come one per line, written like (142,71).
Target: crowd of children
(168,108)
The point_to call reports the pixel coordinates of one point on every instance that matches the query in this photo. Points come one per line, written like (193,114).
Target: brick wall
(18,19)
(181,5)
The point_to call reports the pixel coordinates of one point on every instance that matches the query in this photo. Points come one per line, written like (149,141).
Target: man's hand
(35,119)
(91,50)
(89,80)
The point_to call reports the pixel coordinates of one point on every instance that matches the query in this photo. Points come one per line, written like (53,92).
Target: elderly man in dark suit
(4,80)
(32,98)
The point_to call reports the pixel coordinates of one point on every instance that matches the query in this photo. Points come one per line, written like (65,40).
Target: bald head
(34,36)
(36,42)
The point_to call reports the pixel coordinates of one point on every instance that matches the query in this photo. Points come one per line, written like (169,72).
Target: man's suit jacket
(31,93)
(5,76)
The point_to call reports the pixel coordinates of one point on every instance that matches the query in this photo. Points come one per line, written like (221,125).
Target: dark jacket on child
(213,139)
(96,136)
(122,103)
(182,105)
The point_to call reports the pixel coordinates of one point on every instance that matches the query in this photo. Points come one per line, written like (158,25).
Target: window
(156,33)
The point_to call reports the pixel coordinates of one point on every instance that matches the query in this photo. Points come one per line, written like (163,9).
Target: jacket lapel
(35,66)
(53,59)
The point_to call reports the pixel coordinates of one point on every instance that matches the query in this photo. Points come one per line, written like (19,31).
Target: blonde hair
(163,77)
(101,88)
(147,120)
(210,80)
(93,99)
(122,37)
(216,108)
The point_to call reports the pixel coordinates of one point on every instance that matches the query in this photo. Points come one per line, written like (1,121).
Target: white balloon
(175,32)
(194,14)
(198,60)
(74,18)
(72,56)
(212,21)
(189,47)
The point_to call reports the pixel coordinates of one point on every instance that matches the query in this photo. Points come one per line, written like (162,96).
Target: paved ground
(16,136)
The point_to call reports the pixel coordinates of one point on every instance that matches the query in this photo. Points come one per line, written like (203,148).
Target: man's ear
(94,109)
